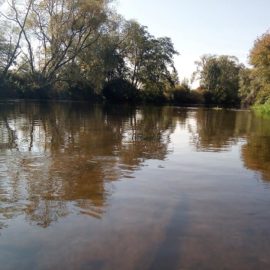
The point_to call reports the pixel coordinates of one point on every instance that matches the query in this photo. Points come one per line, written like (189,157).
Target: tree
(7,89)
(18,19)
(4,52)
(219,76)
(150,59)
(103,62)
(249,86)
(55,47)
(260,59)
(55,32)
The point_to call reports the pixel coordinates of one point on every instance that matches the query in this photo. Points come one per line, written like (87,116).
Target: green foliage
(81,91)
(262,110)
(259,56)
(208,97)
(249,87)
(120,90)
(196,97)
(150,59)
(182,94)
(153,95)
(219,75)
(74,49)
(260,59)
(10,86)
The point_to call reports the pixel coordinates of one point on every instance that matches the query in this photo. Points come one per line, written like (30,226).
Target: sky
(199,27)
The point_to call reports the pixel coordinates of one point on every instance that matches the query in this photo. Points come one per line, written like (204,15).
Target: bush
(153,95)
(196,97)
(81,91)
(182,94)
(9,87)
(120,90)
(208,97)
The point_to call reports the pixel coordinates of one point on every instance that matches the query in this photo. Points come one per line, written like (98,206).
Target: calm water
(96,187)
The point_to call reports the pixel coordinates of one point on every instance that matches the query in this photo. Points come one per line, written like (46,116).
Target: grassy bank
(262,110)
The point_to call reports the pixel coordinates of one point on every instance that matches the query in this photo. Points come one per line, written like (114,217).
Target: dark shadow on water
(168,255)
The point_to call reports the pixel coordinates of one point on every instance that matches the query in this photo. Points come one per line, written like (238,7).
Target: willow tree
(54,32)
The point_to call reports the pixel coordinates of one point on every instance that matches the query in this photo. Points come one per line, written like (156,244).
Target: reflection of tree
(256,152)
(58,158)
(218,130)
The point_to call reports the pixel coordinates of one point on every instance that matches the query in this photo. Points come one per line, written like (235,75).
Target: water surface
(115,187)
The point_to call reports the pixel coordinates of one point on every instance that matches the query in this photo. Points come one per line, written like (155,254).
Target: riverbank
(262,110)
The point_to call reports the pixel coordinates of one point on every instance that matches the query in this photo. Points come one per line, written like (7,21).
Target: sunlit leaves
(260,59)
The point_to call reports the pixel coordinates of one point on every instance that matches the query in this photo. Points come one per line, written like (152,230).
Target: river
(117,187)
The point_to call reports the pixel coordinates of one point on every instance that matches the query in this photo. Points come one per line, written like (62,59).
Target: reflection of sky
(38,139)
(202,27)
(151,197)
(61,161)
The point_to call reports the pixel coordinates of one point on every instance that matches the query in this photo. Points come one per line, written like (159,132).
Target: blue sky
(200,27)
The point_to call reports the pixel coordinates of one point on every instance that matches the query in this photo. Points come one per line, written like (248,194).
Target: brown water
(96,187)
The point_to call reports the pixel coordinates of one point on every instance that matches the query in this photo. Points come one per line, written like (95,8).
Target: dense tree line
(255,81)
(78,48)
(83,49)
(224,81)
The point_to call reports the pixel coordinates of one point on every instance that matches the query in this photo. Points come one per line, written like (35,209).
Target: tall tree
(219,75)
(55,32)
(17,18)
(104,62)
(260,59)
(5,49)
(149,59)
